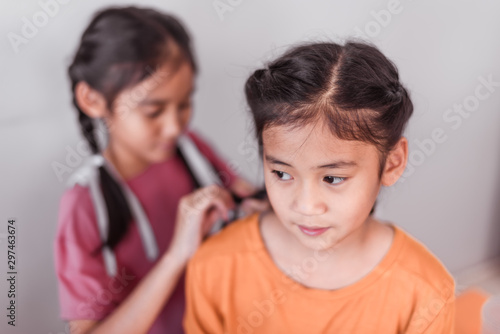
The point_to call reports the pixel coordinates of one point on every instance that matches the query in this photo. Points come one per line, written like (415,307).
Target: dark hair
(120,48)
(354,87)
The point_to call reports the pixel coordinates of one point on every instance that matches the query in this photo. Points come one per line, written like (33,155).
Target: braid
(119,214)
(88,130)
(118,210)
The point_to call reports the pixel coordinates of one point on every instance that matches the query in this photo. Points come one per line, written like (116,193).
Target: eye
(333,179)
(282,175)
(185,105)
(154,113)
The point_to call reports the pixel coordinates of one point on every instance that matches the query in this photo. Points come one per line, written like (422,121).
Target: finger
(199,200)
(213,192)
(242,188)
(251,205)
(213,217)
(197,204)
(214,196)
(227,197)
(223,205)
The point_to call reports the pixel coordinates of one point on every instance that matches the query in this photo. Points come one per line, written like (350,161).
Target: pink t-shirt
(85,290)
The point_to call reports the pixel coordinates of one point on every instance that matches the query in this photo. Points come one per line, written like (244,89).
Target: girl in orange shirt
(329,119)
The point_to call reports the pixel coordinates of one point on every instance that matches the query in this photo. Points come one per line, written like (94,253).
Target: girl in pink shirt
(133,218)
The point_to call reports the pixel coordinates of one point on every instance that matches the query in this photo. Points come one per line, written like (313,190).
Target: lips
(313,231)
(168,146)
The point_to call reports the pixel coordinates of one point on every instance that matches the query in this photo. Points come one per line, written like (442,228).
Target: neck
(126,164)
(346,262)
(347,249)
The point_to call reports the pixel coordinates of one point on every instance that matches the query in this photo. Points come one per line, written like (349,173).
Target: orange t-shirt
(233,286)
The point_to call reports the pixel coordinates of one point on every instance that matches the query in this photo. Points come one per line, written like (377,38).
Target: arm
(146,300)
(200,317)
(195,215)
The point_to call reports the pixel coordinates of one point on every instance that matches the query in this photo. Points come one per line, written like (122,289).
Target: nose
(171,127)
(308,201)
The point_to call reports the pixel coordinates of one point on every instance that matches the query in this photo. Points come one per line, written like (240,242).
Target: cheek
(278,197)
(359,201)
(185,117)
(134,129)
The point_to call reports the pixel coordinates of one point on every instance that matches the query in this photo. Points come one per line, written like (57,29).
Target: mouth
(168,146)
(313,231)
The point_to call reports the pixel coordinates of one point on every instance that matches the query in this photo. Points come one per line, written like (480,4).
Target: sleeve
(201,315)
(225,173)
(83,285)
(444,322)
(437,316)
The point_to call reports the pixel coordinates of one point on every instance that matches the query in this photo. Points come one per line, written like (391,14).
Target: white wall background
(451,201)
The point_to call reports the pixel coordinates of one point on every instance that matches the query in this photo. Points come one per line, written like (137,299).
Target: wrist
(174,259)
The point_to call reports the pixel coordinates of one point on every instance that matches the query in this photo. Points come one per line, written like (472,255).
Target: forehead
(166,82)
(313,144)
(169,79)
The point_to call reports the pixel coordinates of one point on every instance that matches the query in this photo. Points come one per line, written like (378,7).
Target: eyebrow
(148,102)
(332,165)
(153,102)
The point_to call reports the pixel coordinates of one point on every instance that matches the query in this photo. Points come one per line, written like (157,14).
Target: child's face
(147,118)
(320,187)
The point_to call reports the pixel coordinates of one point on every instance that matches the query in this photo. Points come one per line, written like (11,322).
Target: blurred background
(448,55)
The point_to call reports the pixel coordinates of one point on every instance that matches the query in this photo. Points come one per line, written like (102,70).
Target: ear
(92,102)
(395,163)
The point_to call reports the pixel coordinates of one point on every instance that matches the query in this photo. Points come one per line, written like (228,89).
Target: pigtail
(118,210)
(119,213)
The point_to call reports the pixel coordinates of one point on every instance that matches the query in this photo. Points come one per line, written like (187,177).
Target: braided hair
(353,87)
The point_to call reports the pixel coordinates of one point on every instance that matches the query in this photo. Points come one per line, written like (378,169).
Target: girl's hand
(251,205)
(243,189)
(196,214)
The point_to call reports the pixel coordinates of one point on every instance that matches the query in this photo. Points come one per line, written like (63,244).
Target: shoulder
(75,201)
(77,219)
(223,258)
(240,237)
(423,267)
(76,208)
(430,287)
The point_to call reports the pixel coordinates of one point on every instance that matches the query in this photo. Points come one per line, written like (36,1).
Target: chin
(162,156)
(318,243)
